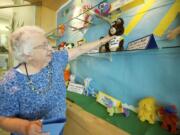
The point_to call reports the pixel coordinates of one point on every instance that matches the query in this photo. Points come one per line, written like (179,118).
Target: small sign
(147,42)
(77,88)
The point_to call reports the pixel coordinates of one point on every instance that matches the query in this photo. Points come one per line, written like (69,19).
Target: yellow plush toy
(147,110)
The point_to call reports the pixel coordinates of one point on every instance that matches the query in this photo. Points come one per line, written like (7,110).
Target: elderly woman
(35,89)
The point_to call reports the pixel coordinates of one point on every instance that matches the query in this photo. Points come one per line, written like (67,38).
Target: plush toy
(67,74)
(103,9)
(147,110)
(69,45)
(116,44)
(168,115)
(61,46)
(61,30)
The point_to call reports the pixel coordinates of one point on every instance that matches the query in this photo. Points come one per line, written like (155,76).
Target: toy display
(116,44)
(147,110)
(168,115)
(103,9)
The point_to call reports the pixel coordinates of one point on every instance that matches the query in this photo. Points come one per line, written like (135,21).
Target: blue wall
(131,75)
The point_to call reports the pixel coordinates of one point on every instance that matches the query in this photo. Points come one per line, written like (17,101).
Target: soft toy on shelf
(89,89)
(147,110)
(67,74)
(61,46)
(168,115)
(103,8)
(116,44)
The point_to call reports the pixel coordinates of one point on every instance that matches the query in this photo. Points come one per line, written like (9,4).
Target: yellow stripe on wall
(135,20)
(167,19)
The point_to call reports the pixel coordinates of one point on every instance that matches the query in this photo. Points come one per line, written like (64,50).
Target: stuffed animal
(147,110)
(168,115)
(69,45)
(103,9)
(116,44)
(67,74)
(89,90)
(61,46)
(61,30)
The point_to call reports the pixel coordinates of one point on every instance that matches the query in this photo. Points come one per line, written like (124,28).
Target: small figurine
(168,115)
(147,110)
(89,90)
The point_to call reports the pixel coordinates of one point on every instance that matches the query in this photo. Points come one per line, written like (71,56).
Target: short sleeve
(9,105)
(61,58)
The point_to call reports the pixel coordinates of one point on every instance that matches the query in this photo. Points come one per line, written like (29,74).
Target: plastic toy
(103,9)
(89,90)
(147,110)
(113,105)
(116,44)
(116,110)
(169,117)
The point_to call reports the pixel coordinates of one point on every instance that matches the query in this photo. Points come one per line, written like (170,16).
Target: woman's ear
(27,57)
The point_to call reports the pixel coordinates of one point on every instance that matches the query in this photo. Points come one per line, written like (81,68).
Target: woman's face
(42,51)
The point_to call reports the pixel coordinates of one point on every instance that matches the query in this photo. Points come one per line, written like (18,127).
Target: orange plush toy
(67,74)
(169,118)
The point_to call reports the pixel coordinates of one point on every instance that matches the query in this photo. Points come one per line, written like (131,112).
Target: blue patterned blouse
(18,100)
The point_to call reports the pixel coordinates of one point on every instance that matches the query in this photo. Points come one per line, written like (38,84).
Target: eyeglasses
(45,45)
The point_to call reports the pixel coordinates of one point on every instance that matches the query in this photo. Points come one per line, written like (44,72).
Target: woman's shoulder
(60,58)
(8,81)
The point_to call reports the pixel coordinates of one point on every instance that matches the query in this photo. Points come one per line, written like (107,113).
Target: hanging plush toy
(116,44)
(103,9)
(61,30)
(69,46)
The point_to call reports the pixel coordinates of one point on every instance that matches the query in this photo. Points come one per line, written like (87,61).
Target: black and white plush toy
(116,44)
(69,46)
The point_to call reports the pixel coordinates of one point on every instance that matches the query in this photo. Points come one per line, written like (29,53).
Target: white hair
(22,40)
